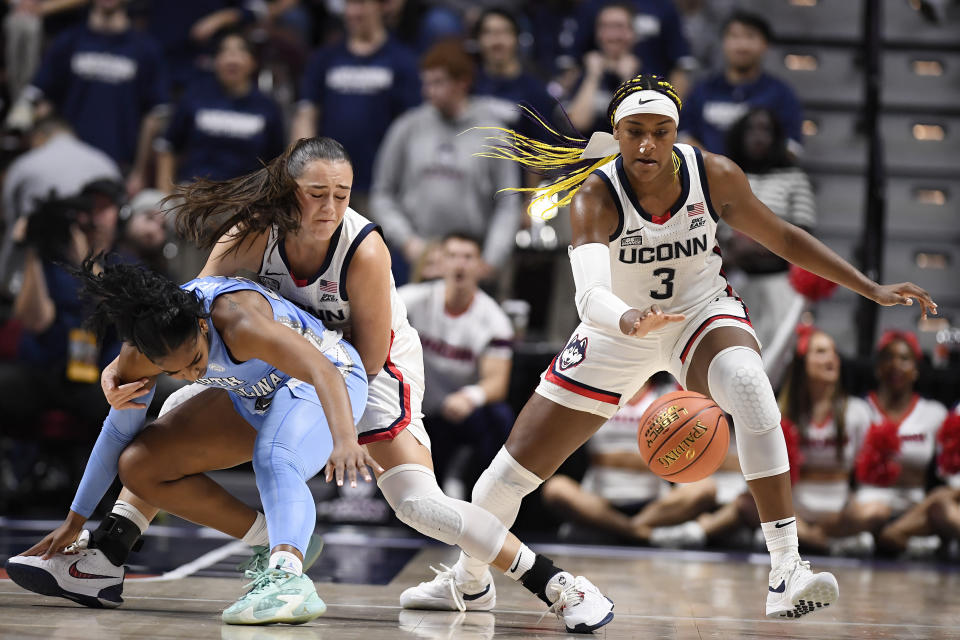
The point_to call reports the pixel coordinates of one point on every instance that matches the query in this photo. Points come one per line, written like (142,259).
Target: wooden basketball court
(658,595)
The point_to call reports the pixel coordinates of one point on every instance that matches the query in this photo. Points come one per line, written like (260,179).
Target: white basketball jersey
(454,344)
(667,258)
(819,446)
(325,294)
(917,430)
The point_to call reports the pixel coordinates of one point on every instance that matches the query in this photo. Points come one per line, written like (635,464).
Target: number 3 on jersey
(666,283)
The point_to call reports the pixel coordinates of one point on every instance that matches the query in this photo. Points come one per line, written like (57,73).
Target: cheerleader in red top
(891,499)
(827,425)
(944,512)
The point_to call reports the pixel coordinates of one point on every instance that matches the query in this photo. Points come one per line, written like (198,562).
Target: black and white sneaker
(80,574)
(795,591)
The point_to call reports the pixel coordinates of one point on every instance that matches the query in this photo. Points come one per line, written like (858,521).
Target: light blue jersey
(293,440)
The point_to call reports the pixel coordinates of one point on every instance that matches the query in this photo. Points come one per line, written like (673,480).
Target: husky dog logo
(574,353)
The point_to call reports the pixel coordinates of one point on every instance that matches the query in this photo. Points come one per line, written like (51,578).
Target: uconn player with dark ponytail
(292,391)
(652,296)
(290,223)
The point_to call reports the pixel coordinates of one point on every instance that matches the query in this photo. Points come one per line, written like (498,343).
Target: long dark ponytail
(207,209)
(149,311)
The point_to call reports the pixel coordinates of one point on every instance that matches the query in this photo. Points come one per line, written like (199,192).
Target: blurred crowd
(109,104)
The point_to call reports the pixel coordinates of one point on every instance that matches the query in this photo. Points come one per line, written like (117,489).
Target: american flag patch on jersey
(328,286)
(695,209)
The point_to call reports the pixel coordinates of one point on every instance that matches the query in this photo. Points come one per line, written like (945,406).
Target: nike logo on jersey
(82,575)
(632,231)
(781,525)
(780,589)
(474,596)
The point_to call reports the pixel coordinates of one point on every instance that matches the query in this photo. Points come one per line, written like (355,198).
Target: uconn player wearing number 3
(290,223)
(651,297)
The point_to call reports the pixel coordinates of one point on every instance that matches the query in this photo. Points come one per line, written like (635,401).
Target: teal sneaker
(276,596)
(261,556)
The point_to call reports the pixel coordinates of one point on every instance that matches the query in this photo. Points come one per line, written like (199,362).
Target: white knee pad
(740,386)
(412,491)
(502,487)
(180,396)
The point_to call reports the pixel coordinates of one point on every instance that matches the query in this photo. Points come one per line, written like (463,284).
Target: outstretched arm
(735,202)
(119,428)
(246,324)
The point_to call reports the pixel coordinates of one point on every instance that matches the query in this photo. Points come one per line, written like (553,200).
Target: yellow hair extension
(543,156)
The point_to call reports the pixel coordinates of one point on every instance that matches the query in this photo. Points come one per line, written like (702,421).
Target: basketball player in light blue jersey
(295,391)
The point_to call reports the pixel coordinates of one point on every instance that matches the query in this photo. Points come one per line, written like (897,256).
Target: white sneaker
(79,574)
(444,593)
(580,605)
(795,591)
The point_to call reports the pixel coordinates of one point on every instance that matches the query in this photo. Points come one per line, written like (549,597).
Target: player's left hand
(59,538)
(350,458)
(904,293)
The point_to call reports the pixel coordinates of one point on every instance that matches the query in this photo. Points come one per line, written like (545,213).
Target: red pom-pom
(810,285)
(877,461)
(794,454)
(949,438)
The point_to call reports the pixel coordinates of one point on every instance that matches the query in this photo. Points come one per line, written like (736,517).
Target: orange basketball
(683,436)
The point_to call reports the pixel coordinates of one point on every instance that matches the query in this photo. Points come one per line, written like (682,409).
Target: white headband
(647,101)
(602,144)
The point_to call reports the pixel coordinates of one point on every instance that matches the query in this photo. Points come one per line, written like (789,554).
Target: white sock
(131,513)
(781,536)
(257,535)
(558,583)
(521,563)
(286,561)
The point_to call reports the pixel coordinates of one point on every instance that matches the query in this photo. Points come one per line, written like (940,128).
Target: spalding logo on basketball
(683,436)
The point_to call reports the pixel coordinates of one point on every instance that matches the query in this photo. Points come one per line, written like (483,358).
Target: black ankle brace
(115,537)
(536,579)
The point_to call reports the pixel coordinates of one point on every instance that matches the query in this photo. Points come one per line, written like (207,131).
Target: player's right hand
(122,396)
(638,323)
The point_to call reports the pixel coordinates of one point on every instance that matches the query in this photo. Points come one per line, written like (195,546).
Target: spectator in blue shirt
(223,126)
(109,83)
(723,98)
(355,89)
(660,43)
(501,74)
(604,69)
(186,29)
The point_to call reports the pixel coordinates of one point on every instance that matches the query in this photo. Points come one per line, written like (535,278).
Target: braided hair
(148,310)
(557,156)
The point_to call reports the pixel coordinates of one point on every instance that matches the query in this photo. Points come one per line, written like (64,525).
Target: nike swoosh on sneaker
(76,573)
(474,596)
(780,589)
(780,525)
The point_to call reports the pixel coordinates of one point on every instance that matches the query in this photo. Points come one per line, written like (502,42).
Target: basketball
(683,436)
